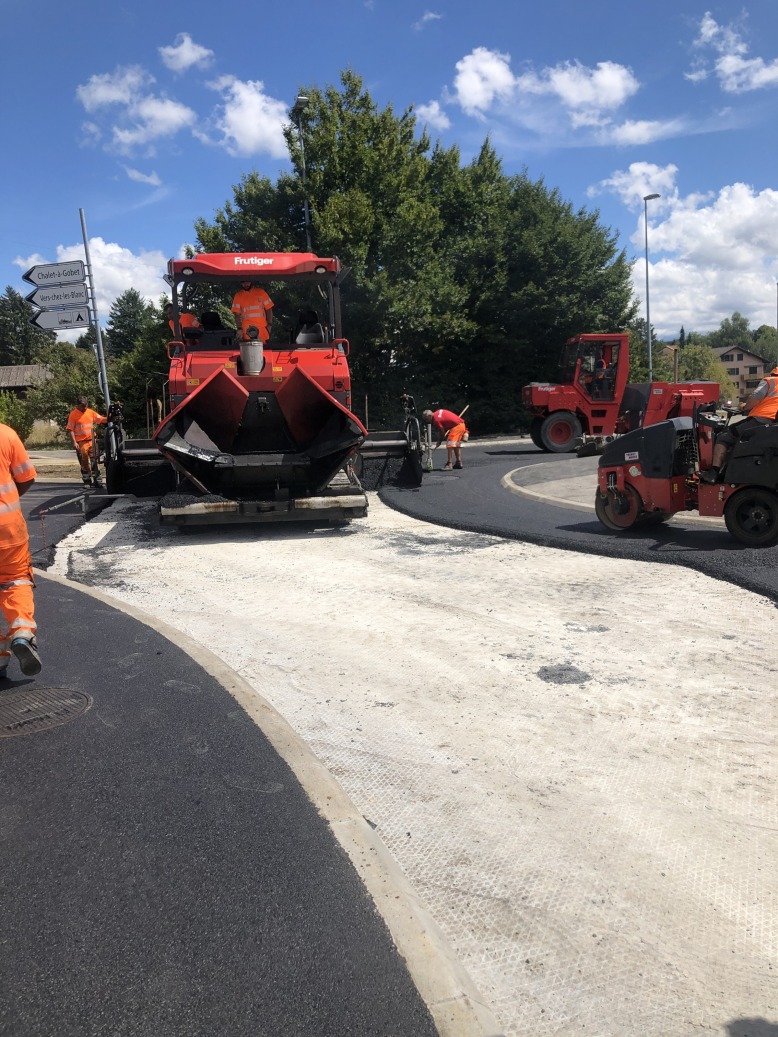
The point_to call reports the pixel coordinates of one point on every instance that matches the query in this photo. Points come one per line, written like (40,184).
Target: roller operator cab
(650,474)
(259,431)
(591,399)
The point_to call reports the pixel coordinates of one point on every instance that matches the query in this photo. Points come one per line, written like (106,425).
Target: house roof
(23,375)
(739,349)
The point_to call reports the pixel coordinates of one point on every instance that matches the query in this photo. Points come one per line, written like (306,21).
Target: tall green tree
(766,343)
(464,282)
(141,375)
(130,317)
(733,331)
(75,374)
(700,363)
(20,341)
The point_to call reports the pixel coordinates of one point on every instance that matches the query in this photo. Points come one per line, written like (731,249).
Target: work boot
(99,483)
(26,651)
(87,482)
(710,475)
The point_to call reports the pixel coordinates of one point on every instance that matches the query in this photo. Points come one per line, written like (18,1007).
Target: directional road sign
(63,295)
(55,273)
(61,320)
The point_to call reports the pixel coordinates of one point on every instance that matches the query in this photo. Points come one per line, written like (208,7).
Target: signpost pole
(96,322)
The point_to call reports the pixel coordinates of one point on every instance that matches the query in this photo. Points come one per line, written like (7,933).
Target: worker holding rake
(450,425)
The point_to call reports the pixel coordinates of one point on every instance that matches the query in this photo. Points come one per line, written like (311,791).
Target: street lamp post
(300,104)
(646,199)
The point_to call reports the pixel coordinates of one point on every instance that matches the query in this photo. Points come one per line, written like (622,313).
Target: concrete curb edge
(455,1004)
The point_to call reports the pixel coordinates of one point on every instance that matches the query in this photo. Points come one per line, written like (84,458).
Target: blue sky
(145,115)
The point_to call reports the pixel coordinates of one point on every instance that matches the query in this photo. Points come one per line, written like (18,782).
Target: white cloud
(120,87)
(555,100)
(426,18)
(143,178)
(185,53)
(91,134)
(642,132)
(631,185)
(250,122)
(483,77)
(711,254)
(433,115)
(143,117)
(586,93)
(736,72)
(154,117)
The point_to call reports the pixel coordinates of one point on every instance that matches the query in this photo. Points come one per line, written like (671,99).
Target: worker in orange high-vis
(185,320)
(81,426)
(17,475)
(761,408)
(253,307)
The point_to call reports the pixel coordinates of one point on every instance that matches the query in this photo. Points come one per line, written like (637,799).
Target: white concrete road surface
(572,758)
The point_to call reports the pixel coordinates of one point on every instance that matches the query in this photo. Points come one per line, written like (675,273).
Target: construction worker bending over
(81,426)
(450,425)
(17,475)
(253,307)
(761,408)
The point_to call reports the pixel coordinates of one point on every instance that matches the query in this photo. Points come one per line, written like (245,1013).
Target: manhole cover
(26,712)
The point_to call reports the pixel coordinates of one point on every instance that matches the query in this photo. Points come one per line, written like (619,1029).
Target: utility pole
(90,283)
(300,104)
(646,199)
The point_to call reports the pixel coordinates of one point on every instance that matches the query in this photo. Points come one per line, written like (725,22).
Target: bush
(14,412)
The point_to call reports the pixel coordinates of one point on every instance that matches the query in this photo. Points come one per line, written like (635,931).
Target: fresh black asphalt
(162,872)
(474,499)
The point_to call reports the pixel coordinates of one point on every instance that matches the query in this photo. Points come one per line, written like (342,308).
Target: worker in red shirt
(253,307)
(17,475)
(81,426)
(450,425)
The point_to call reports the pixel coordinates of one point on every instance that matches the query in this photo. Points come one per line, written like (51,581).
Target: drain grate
(26,712)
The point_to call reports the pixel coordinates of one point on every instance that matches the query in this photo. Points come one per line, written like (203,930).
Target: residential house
(744,368)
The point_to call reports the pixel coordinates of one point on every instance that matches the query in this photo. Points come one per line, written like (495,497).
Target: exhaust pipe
(252,355)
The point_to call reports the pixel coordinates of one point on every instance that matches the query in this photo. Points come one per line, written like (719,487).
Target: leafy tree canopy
(20,341)
(130,318)
(464,282)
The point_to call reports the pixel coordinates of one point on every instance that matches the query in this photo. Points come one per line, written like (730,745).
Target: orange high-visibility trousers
(16,597)
(86,456)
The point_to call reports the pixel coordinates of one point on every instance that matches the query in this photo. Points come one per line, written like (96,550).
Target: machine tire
(114,473)
(534,432)
(414,469)
(559,431)
(606,513)
(751,516)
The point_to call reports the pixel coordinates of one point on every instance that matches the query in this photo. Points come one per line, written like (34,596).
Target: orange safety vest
(767,407)
(251,307)
(15,467)
(185,320)
(81,423)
